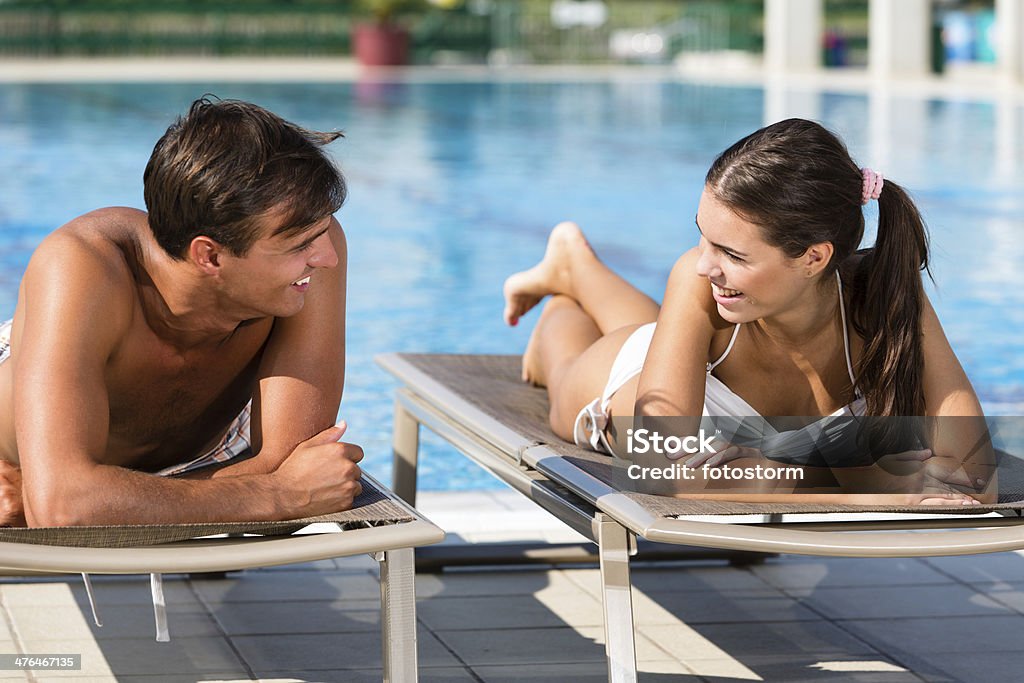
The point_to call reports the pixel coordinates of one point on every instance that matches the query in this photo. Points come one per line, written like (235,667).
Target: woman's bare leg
(580,331)
(571,267)
(569,355)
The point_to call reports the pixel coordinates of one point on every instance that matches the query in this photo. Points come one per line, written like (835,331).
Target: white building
(899,36)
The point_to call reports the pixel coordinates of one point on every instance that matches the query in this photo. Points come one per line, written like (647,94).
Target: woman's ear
(817,257)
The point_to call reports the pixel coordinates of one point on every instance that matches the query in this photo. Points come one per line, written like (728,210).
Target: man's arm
(62,421)
(302,372)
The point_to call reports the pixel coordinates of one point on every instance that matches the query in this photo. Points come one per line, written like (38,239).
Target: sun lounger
(479,404)
(378,524)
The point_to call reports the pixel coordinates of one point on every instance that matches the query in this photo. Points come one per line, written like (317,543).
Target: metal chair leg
(398,615)
(613,546)
(405,443)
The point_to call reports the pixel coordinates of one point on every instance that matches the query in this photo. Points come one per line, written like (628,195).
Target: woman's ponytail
(887,308)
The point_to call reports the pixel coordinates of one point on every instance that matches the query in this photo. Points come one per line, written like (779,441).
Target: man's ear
(207,254)
(817,257)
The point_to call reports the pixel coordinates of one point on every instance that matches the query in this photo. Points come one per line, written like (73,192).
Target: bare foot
(553,275)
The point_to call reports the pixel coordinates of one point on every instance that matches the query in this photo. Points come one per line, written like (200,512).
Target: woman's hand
(723,456)
(908,478)
(915,477)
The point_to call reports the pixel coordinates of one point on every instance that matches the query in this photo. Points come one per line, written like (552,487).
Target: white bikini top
(846,346)
(826,441)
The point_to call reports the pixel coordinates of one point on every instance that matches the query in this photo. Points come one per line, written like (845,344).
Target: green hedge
(321,27)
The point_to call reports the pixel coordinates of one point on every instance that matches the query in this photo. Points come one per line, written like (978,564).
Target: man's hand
(320,476)
(12,507)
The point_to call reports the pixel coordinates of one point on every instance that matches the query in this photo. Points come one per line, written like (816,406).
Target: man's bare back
(139,338)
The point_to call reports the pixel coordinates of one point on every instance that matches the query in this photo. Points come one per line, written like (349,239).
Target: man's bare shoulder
(108,239)
(98,252)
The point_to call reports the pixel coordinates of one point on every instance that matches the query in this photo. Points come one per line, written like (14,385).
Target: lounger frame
(613,520)
(391,545)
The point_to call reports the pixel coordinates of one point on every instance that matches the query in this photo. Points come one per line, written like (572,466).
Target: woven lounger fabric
(371,508)
(493,385)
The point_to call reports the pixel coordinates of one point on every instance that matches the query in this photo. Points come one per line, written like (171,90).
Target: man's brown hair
(226,163)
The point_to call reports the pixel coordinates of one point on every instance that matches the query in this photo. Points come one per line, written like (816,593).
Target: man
(147,343)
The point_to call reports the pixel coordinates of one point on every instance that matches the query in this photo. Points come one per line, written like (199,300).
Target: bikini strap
(846,340)
(846,336)
(735,333)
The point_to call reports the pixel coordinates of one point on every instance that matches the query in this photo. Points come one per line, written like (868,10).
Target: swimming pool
(455,185)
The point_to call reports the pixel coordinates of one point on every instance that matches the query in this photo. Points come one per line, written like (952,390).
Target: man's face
(273,277)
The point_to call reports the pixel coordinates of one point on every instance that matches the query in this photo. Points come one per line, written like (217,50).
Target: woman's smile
(724,295)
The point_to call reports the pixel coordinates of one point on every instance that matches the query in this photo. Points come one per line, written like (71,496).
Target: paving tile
(263,618)
(972,635)
(288,586)
(848,571)
(539,646)
(119,621)
(129,590)
(590,672)
(224,677)
(993,666)
(902,601)
(426,675)
(490,583)
(570,606)
(357,563)
(718,607)
(182,657)
(790,668)
(988,568)
(5,629)
(517,646)
(322,652)
(93,660)
(684,643)
(586,672)
(680,578)
(1009,594)
(709,641)
(563,536)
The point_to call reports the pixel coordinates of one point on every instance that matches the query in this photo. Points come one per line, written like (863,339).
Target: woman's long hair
(796,180)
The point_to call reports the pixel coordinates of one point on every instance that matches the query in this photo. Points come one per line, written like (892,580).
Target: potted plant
(382,41)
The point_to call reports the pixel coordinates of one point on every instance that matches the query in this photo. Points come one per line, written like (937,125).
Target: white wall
(793,34)
(899,37)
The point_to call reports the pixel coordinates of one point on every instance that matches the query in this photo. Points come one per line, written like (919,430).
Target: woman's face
(749,278)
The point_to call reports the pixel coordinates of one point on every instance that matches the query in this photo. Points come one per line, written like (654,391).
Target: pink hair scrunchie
(872,187)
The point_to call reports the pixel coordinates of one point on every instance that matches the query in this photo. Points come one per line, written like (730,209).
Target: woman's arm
(670,390)
(958,434)
(672,381)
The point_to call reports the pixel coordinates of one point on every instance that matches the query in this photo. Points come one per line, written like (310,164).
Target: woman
(775,313)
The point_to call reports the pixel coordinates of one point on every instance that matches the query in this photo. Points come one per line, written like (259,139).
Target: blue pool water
(455,185)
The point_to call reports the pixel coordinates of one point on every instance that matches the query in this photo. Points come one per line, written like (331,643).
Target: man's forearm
(253,464)
(113,495)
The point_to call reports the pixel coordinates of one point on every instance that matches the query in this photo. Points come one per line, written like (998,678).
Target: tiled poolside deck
(789,619)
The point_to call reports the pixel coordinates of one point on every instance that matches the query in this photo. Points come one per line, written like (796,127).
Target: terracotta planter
(380,44)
